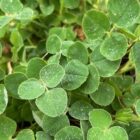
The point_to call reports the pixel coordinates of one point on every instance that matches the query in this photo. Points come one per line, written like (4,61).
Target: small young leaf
(52,125)
(52,75)
(104,95)
(53,44)
(69,133)
(114,47)
(53,103)
(76,75)
(73,52)
(80,110)
(3,98)
(92,82)
(95,24)
(30,89)
(100,118)
(34,66)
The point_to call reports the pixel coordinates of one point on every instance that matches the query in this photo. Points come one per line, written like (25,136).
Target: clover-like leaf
(3,98)
(95,24)
(71,4)
(100,118)
(76,75)
(12,87)
(2,74)
(11,6)
(105,67)
(34,66)
(7,127)
(69,132)
(96,133)
(73,52)
(123,12)
(53,103)
(114,47)
(104,95)
(25,134)
(25,14)
(40,135)
(53,44)
(92,82)
(134,134)
(52,74)
(118,133)
(4,20)
(80,110)
(30,89)
(52,125)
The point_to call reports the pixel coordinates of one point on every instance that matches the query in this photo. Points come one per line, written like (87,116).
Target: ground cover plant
(69,70)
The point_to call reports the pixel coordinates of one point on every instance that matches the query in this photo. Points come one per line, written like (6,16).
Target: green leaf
(2,74)
(7,126)
(40,135)
(114,47)
(71,4)
(25,134)
(95,24)
(34,66)
(52,125)
(134,134)
(12,87)
(4,20)
(92,82)
(30,89)
(104,95)
(99,134)
(16,39)
(69,132)
(137,106)
(105,67)
(123,12)
(3,98)
(76,75)
(73,52)
(53,44)
(118,133)
(80,110)
(100,118)
(25,14)
(52,74)
(11,6)
(53,103)
(54,59)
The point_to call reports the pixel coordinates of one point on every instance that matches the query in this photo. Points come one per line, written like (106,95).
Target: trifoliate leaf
(12,87)
(114,47)
(123,12)
(104,95)
(76,75)
(53,103)
(30,89)
(34,66)
(92,82)
(53,44)
(52,74)
(69,132)
(95,24)
(80,110)
(100,118)
(73,52)
(52,125)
